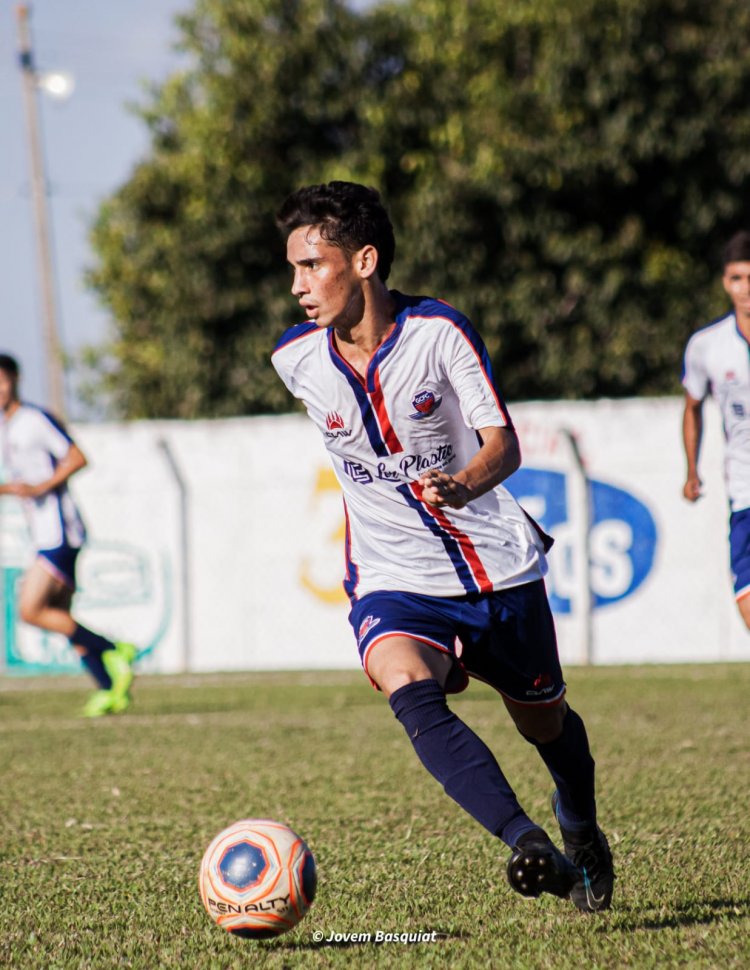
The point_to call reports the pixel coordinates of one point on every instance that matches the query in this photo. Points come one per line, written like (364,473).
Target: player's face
(326,282)
(7,390)
(736,282)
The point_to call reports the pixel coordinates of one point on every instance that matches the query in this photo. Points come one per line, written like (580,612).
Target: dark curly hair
(347,214)
(9,365)
(737,250)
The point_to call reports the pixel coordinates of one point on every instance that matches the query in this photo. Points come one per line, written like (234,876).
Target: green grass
(103,824)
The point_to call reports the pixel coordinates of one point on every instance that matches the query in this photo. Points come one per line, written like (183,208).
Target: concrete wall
(219,545)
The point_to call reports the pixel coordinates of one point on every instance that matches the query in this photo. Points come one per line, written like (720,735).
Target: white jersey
(717,362)
(427,390)
(32,444)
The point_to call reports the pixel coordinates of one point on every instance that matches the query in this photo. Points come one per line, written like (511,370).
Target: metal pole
(182,488)
(579,508)
(53,350)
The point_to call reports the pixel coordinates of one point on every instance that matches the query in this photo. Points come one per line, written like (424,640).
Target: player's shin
(459,760)
(569,761)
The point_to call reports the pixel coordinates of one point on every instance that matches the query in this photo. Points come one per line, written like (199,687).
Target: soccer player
(443,568)
(41,456)
(717,362)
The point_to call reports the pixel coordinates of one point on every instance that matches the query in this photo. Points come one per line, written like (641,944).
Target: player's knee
(743,605)
(396,677)
(539,725)
(28,612)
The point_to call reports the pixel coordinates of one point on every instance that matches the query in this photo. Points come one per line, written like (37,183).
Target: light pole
(53,350)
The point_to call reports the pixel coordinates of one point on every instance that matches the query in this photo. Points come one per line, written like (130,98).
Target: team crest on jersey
(366,625)
(424,403)
(335,427)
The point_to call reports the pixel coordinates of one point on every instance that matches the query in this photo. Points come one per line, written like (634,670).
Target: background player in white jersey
(41,457)
(717,362)
(444,569)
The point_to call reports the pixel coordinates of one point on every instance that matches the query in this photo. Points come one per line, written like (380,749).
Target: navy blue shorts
(61,563)
(739,551)
(505,638)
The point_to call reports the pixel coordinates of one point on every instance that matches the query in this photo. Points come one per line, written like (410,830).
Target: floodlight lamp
(57,84)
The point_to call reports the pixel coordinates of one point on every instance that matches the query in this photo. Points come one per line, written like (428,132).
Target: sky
(91,143)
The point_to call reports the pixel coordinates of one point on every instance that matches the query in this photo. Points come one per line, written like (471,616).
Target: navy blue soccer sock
(94,645)
(569,761)
(459,760)
(93,663)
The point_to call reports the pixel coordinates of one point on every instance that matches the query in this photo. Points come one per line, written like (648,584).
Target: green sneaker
(98,704)
(119,665)
(120,704)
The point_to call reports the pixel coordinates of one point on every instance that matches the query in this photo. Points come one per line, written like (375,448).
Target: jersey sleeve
(694,372)
(281,363)
(286,353)
(52,436)
(470,372)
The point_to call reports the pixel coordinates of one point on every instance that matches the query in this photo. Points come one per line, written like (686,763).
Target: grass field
(104,823)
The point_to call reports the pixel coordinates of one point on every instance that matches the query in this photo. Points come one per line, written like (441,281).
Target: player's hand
(693,489)
(22,490)
(439,489)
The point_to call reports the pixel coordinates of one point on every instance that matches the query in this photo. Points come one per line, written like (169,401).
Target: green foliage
(104,824)
(564,173)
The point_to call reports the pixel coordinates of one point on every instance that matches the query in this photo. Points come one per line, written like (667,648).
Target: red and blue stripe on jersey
(384,440)
(368,394)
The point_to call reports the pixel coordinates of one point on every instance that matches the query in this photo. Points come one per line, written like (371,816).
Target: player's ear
(366,261)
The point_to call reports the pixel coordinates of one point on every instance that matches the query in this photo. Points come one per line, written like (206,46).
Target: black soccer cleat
(537,866)
(590,852)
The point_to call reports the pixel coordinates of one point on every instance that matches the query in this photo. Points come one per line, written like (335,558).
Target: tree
(588,165)
(562,172)
(190,262)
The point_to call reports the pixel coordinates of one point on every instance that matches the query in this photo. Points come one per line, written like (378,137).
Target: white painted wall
(265,542)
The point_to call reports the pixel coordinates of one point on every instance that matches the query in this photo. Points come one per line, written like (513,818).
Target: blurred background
(565,173)
(105,57)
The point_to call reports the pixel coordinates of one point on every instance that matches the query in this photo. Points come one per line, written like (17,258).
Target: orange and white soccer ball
(257,878)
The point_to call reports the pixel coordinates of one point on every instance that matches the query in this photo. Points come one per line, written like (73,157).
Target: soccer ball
(257,878)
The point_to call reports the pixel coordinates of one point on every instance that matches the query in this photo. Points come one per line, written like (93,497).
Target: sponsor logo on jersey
(365,626)
(409,466)
(424,403)
(358,473)
(416,465)
(335,427)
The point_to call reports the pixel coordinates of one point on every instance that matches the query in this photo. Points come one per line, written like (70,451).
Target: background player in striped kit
(717,362)
(444,569)
(41,457)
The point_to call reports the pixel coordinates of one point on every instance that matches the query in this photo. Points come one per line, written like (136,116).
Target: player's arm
(692,432)
(498,457)
(71,462)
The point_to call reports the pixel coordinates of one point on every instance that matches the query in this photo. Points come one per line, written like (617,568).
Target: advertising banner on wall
(218,545)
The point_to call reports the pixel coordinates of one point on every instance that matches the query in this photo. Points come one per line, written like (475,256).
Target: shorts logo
(335,427)
(365,626)
(424,404)
(738,409)
(542,685)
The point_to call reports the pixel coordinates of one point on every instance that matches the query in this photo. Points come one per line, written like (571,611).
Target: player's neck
(358,342)
(11,407)
(743,323)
